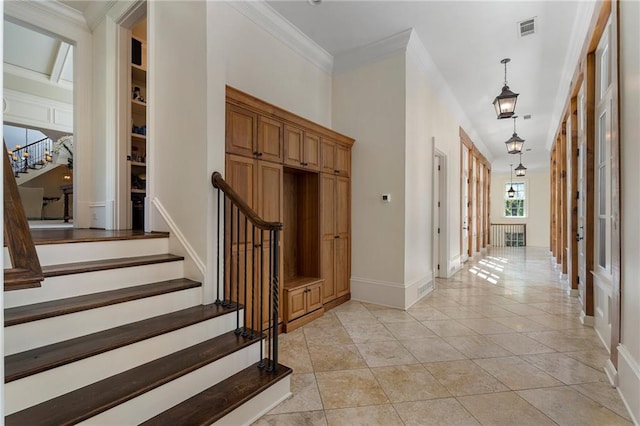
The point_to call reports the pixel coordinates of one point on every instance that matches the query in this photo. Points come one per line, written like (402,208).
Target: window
(514,207)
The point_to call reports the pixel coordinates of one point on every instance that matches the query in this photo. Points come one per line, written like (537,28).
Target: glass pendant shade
(505,103)
(511,192)
(521,170)
(514,144)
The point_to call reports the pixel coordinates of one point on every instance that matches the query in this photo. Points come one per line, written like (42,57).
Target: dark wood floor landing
(76,235)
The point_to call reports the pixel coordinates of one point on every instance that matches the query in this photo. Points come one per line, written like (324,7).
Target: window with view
(514,207)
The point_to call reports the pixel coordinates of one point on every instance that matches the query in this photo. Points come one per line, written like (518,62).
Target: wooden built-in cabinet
(303,297)
(335,158)
(335,218)
(293,171)
(301,149)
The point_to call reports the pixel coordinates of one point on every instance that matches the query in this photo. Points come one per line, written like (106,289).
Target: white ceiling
(467,40)
(37,56)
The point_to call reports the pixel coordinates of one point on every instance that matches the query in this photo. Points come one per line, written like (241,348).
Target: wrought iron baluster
(238,273)
(253,282)
(230,255)
(218,255)
(261,288)
(246,244)
(276,296)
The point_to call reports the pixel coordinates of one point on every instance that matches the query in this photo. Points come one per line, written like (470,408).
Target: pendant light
(511,192)
(514,144)
(521,170)
(505,102)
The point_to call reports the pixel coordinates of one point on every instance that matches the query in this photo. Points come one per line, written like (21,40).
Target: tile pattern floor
(499,343)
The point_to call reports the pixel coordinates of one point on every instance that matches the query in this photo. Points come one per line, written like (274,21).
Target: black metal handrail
(509,234)
(250,277)
(35,155)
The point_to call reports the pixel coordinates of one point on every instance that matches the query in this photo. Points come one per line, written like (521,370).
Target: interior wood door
(240,131)
(270,139)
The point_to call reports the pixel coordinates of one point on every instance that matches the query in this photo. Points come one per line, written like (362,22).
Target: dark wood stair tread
(38,311)
(78,235)
(93,399)
(214,403)
(101,265)
(37,360)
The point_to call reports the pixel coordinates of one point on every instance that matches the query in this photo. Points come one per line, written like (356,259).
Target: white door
(474,206)
(464,254)
(582,192)
(436,215)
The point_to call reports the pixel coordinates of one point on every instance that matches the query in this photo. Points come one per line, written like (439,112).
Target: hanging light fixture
(521,170)
(511,192)
(505,102)
(514,144)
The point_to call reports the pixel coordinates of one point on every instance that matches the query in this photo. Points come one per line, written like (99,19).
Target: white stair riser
(34,334)
(53,254)
(65,286)
(32,390)
(258,406)
(157,400)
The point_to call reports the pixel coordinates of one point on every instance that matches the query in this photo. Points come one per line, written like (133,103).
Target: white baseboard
(98,215)
(573,292)
(611,372)
(587,320)
(194,266)
(417,290)
(629,382)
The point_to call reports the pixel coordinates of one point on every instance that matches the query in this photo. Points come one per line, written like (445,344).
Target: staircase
(117,336)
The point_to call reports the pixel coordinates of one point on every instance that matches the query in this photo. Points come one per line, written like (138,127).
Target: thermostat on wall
(386,198)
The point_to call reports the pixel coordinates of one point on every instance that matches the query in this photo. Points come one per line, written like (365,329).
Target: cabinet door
(327,156)
(311,151)
(342,160)
(241,176)
(269,200)
(240,131)
(342,218)
(293,140)
(270,137)
(342,266)
(314,297)
(327,269)
(327,205)
(296,303)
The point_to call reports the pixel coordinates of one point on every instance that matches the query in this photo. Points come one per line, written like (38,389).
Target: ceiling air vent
(527,117)
(527,27)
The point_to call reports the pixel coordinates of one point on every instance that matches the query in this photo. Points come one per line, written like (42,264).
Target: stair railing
(33,156)
(509,234)
(250,273)
(26,271)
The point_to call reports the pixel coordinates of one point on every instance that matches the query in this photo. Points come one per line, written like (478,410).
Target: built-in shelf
(138,191)
(138,136)
(138,107)
(138,163)
(138,73)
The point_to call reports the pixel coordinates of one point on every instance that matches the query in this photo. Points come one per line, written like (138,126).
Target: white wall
(177,118)
(369,105)
(242,54)
(537,205)
(629,349)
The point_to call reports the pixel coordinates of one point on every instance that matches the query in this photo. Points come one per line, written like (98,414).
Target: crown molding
(271,21)
(372,52)
(96,11)
(437,83)
(39,14)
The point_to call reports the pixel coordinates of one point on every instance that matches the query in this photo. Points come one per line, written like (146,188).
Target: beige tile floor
(499,343)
